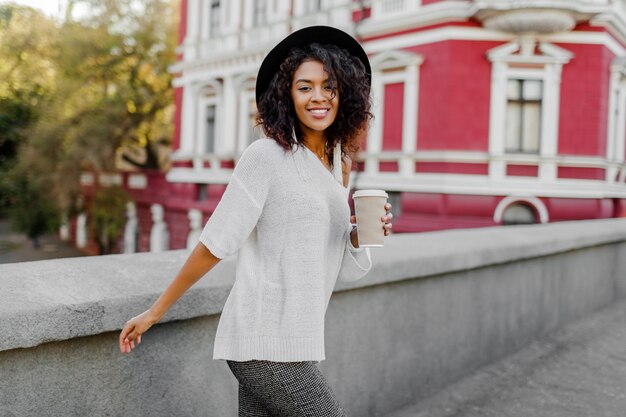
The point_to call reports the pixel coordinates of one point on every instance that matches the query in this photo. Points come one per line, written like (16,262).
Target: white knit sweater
(288,217)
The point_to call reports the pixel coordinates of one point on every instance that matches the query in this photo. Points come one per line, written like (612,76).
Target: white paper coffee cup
(369,207)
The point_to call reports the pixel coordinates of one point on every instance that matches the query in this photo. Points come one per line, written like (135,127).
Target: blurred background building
(486,112)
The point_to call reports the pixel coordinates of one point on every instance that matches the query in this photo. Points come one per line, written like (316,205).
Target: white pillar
(193,23)
(497,115)
(550,125)
(409,121)
(188,124)
(64,229)
(81,230)
(195,223)
(227,120)
(375,133)
(159,236)
(131,229)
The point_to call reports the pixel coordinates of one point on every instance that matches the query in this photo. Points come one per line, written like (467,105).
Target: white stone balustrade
(195,223)
(131,230)
(159,235)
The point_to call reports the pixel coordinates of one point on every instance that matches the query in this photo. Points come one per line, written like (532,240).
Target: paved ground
(15,247)
(579,370)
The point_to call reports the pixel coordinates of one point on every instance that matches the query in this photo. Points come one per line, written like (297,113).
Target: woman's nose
(320,95)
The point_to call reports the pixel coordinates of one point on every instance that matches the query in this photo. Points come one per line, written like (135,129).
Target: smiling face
(315,100)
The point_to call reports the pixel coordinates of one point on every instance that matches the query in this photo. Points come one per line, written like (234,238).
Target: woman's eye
(303,89)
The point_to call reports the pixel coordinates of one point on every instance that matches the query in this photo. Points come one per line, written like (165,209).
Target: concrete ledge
(62,299)
(436,307)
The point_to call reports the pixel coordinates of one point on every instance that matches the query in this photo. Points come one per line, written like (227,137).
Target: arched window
(520,210)
(518,214)
(524,109)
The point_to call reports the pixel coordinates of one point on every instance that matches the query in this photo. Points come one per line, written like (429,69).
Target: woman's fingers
(123,337)
(387,217)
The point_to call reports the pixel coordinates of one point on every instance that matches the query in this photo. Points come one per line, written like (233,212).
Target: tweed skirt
(283,389)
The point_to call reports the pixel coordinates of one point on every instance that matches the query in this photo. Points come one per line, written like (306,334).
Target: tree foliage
(74,92)
(108,215)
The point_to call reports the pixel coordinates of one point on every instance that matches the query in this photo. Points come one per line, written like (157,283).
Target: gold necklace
(320,157)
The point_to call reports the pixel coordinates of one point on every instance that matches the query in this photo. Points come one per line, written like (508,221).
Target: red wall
(454,96)
(584,101)
(392,119)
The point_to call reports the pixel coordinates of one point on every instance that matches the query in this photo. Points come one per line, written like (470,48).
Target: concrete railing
(435,307)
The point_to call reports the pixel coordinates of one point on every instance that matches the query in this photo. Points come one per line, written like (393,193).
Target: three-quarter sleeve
(241,205)
(356,262)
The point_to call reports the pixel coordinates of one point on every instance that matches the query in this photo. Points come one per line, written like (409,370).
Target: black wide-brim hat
(303,37)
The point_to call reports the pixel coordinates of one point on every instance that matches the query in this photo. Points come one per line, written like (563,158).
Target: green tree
(31,210)
(27,73)
(108,216)
(99,82)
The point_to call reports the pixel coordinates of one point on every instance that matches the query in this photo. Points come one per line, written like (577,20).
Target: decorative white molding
(418,16)
(107,180)
(531,21)
(482,185)
(137,181)
(541,208)
(408,74)
(479,34)
(203,176)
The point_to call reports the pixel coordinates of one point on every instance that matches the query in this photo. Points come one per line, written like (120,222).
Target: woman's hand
(385,219)
(133,329)
(199,263)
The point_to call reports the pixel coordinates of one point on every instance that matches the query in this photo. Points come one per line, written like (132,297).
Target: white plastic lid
(370,193)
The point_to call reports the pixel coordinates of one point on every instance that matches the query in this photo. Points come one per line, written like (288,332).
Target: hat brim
(312,34)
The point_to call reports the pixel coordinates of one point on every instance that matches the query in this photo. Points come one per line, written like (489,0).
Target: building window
(254,132)
(518,214)
(214,18)
(259,13)
(524,107)
(312,6)
(391,6)
(209,139)
(523,116)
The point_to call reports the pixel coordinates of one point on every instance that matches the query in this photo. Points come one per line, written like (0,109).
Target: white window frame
(194,123)
(203,103)
(547,68)
(246,95)
(393,67)
(616,132)
(208,31)
(378,8)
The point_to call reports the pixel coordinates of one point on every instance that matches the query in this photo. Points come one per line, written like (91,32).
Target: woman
(285,211)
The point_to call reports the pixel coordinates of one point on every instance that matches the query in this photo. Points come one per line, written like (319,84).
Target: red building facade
(486,112)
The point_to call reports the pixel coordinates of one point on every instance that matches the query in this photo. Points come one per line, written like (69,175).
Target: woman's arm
(200,261)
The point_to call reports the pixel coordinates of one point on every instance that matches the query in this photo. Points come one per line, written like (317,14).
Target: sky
(49,7)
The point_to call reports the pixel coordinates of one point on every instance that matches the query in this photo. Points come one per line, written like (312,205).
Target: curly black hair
(276,112)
